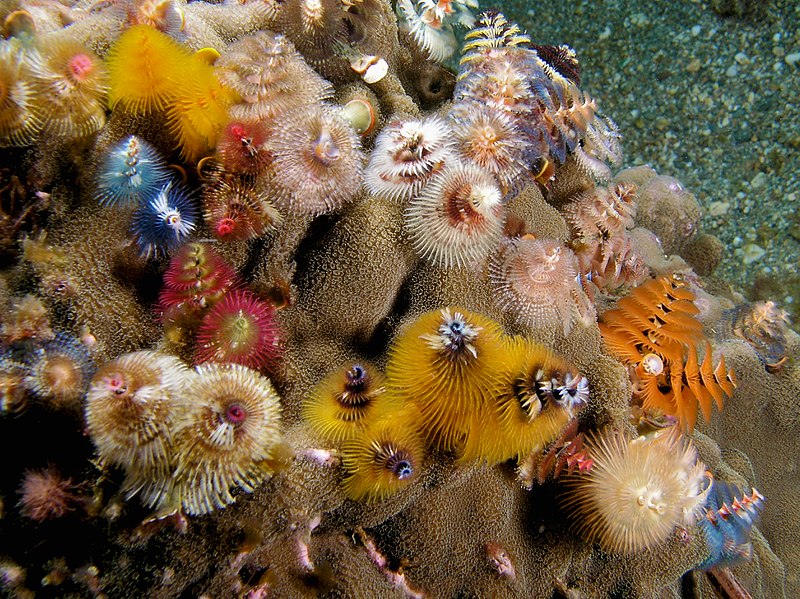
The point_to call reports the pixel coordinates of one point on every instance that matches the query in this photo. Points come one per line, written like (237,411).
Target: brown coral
(82,273)
(665,207)
(704,252)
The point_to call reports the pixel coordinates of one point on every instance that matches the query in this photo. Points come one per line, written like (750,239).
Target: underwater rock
(389,275)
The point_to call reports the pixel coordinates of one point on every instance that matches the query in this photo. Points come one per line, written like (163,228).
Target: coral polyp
(227,438)
(729,516)
(198,114)
(600,222)
(559,62)
(316,28)
(13,392)
(457,220)
(538,396)
(240,328)
(664,308)
(492,141)
(605,213)
(27,319)
(501,86)
(430,25)
(491,32)
(132,170)
(501,70)
(132,407)
(764,326)
(165,221)
(165,15)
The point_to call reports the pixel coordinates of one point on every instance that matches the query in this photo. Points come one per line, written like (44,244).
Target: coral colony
(330,298)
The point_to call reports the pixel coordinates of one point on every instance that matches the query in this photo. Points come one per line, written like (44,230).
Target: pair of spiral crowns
(382,451)
(637,491)
(203,296)
(185,438)
(133,173)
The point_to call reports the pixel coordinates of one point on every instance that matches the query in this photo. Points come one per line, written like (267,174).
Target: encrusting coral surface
(335,298)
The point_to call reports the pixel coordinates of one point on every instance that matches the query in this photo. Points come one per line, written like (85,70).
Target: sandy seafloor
(711,100)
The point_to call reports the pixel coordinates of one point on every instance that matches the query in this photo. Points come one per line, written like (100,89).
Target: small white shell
(376,72)
(652,364)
